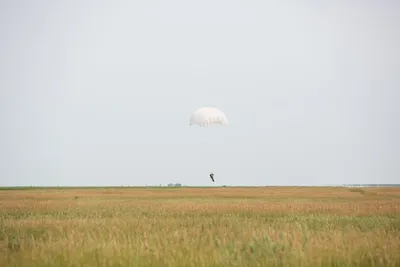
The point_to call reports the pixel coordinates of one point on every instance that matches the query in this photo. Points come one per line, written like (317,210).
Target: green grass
(262,226)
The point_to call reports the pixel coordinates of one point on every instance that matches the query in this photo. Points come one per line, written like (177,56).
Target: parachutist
(212,176)
(206,117)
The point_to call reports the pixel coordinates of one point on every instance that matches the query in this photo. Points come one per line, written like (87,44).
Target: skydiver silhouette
(212,176)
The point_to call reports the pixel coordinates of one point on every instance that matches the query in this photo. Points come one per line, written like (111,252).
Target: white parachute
(208,116)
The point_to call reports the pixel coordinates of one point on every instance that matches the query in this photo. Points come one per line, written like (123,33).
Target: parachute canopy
(208,116)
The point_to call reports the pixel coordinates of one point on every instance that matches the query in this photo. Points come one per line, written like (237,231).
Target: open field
(260,226)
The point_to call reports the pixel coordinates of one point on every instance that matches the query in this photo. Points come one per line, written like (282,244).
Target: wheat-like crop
(260,226)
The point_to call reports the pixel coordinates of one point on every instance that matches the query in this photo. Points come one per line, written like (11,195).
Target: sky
(96,93)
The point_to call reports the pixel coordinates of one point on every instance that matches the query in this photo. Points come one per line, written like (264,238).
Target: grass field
(260,226)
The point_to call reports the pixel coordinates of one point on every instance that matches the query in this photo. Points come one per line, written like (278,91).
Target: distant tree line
(174,185)
(372,185)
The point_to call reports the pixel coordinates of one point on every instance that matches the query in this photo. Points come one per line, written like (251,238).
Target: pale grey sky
(100,92)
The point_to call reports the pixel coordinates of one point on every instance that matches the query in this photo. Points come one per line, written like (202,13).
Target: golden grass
(261,226)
